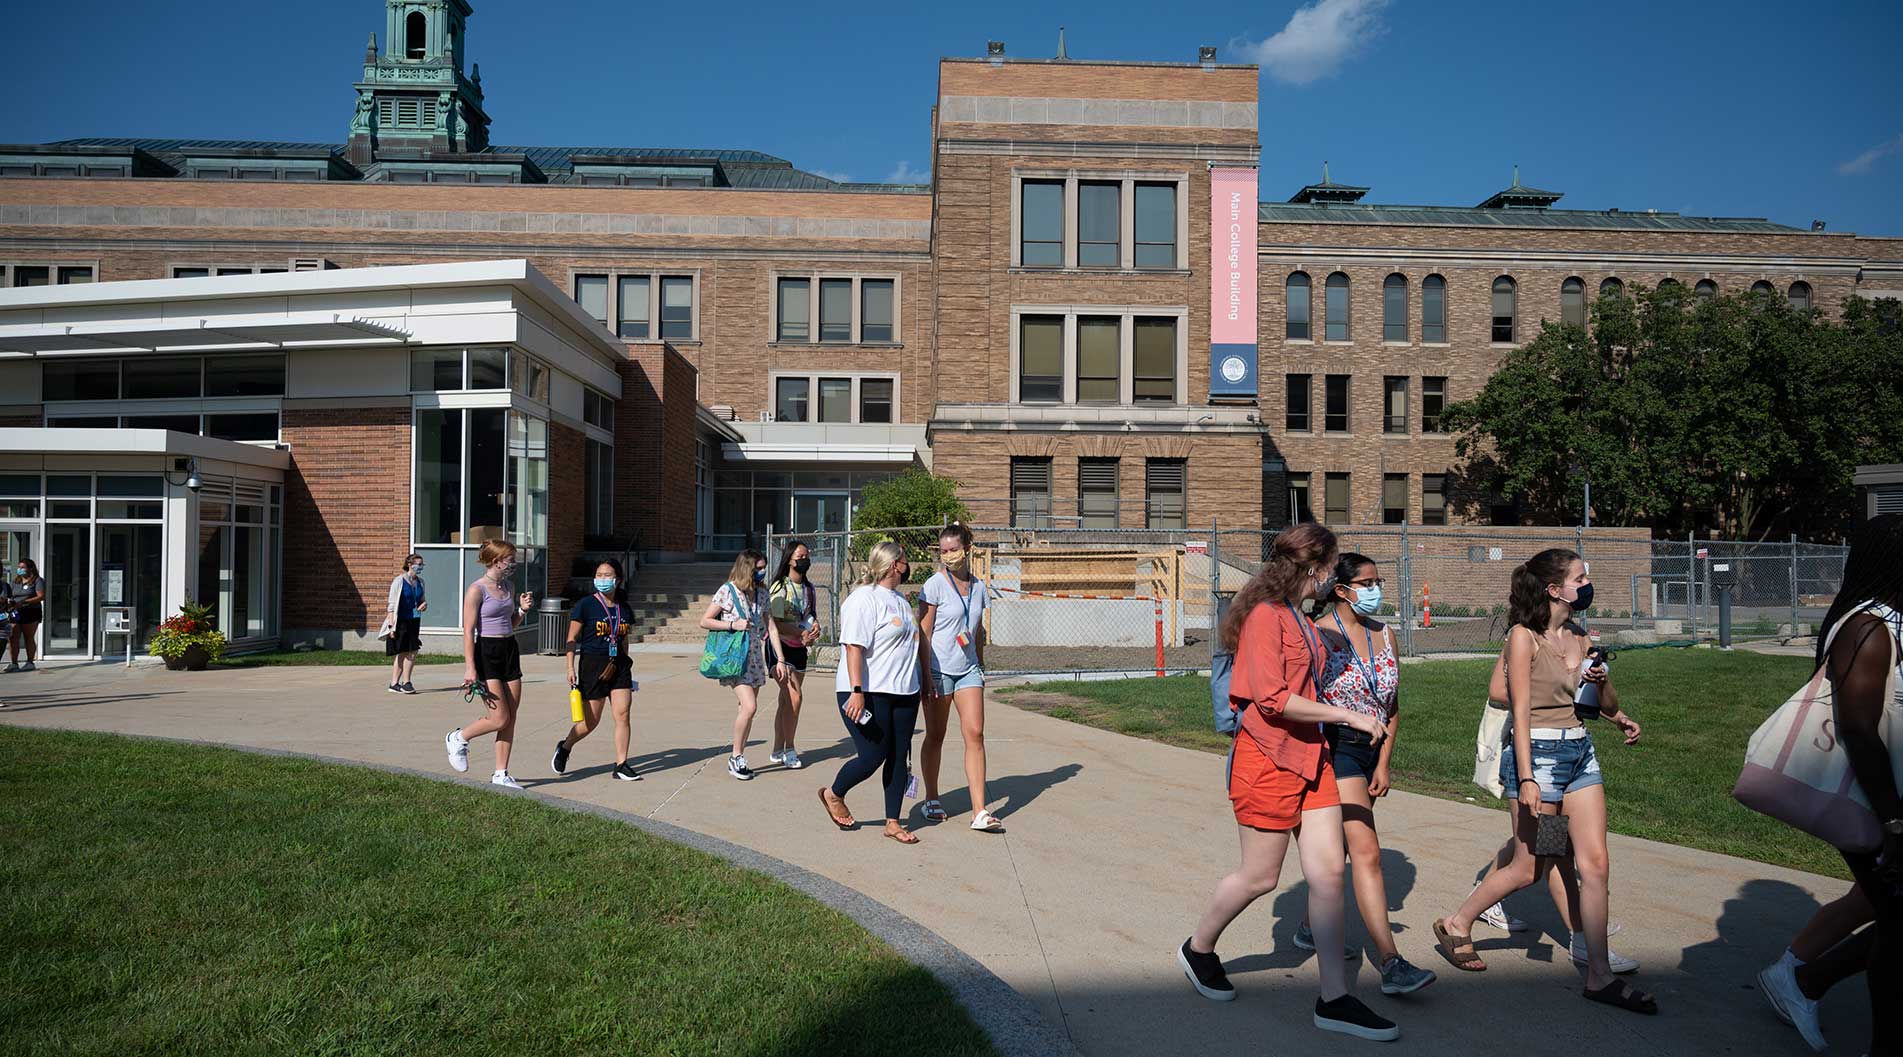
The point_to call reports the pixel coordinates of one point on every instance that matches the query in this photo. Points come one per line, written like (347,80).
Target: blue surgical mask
(1367,600)
(759,576)
(604,584)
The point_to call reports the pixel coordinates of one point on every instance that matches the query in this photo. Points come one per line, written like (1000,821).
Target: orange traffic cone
(1427,608)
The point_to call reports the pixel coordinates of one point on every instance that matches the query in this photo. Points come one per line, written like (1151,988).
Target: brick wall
(654,450)
(346,514)
(567,499)
(981,463)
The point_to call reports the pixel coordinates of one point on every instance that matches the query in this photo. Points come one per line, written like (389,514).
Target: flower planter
(176,664)
(196,658)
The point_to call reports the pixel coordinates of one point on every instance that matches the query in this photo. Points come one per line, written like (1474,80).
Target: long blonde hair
(880,562)
(741,575)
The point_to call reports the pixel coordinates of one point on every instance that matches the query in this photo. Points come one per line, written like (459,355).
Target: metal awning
(196,335)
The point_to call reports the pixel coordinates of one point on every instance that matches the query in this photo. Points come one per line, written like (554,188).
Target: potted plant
(190,640)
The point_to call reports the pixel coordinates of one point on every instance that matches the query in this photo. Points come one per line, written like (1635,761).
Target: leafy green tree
(914,500)
(1734,414)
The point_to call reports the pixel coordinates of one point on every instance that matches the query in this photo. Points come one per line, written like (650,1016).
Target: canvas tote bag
(1490,737)
(1796,770)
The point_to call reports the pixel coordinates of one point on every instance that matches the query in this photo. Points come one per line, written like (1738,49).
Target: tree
(1734,414)
(915,500)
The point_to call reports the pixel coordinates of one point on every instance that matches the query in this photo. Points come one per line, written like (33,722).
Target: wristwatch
(859,690)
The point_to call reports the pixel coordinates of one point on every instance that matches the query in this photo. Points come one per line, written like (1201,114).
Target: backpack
(1228,720)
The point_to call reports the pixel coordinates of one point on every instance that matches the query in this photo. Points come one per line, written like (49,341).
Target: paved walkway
(1113,846)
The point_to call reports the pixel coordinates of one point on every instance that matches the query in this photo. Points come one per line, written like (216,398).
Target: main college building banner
(1232,292)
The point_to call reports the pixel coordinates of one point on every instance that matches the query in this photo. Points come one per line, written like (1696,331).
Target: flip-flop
(1457,949)
(1624,996)
(935,811)
(902,835)
(850,821)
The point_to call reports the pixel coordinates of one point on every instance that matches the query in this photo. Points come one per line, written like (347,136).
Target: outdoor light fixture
(188,467)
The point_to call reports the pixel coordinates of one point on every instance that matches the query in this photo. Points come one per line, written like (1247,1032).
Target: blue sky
(1727,108)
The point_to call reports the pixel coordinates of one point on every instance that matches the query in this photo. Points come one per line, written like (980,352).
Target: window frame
(1347,508)
(1512,329)
(1394,293)
(1308,307)
(1152,518)
(1127,181)
(1115,244)
(856,298)
(656,278)
(1572,286)
(1129,316)
(1388,482)
(1434,389)
(55,270)
(1809,296)
(1037,519)
(1347,288)
(1437,283)
(1347,404)
(1434,513)
(855,396)
(1288,403)
(1393,422)
(1092,501)
(1301,494)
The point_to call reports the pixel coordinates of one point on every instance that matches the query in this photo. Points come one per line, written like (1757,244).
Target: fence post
(771,562)
(1632,618)
(1794,585)
(1404,606)
(1691,582)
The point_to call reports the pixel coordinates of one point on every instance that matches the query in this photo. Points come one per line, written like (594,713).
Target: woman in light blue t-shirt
(954,607)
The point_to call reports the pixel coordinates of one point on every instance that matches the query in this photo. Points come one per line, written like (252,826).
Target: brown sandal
(1457,949)
(1619,993)
(849,823)
(902,835)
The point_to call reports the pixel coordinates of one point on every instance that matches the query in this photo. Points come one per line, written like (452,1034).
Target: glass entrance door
(131,560)
(820,511)
(68,573)
(16,543)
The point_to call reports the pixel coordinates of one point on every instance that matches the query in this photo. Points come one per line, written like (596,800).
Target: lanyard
(611,610)
(964,602)
(1367,670)
(1314,645)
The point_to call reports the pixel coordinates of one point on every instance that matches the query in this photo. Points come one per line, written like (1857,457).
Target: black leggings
(894,717)
(1885,972)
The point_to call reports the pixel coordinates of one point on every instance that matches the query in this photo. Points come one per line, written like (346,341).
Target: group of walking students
(1307,681)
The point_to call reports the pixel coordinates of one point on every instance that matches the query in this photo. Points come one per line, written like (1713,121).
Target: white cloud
(1866,161)
(836,177)
(905,174)
(1318,39)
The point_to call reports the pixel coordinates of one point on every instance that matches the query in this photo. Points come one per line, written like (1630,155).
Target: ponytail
(1527,601)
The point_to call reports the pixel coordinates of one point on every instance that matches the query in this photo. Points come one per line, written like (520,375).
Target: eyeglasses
(1376,582)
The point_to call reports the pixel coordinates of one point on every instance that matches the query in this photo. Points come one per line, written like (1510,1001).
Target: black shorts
(32,614)
(794,656)
(407,638)
(588,668)
(498,659)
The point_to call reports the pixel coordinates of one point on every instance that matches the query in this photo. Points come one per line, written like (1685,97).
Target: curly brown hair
(1291,557)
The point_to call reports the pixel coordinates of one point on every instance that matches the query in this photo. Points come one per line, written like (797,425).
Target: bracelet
(1523,781)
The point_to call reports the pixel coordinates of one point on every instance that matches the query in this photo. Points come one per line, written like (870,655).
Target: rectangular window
(1299,297)
(632,301)
(1030,492)
(245,375)
(436,370)
(175,423)
(1394,405)
(835,310)
(488,368)
(598,501)
(84,422)
(261,425)
(1433,403)
(160,377)
(835,400)
(591,293)
(30,275)
(1335,511)
(190,273)
(1040,358)
(875,400)
(875,310)
(1041,222)
(1099,224)
(1434,310)
(598,409)
(80,380)
(1295,417)
(795,310)
(1153,360)
(1433,499)
(1299,509)
(439,470)
(1394,310)
(1097,491)
(1156,225)
(789,399)
(1099,359)
(1393,498)
(677,307)
(1337,307)
(1336,413)
(69,276)
(1164,482)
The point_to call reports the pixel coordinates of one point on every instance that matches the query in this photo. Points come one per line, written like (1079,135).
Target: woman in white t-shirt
(878,685)
(953,622)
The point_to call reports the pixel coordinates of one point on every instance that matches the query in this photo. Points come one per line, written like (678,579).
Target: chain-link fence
(1140,601)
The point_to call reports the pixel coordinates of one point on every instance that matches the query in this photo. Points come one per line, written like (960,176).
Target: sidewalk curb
(1012,1023)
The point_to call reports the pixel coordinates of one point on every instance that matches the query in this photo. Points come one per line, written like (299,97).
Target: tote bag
(1487,741)
(1796,770)
(724,656)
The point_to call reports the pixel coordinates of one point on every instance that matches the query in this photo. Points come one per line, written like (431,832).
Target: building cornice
(1598,259)
(1055,149)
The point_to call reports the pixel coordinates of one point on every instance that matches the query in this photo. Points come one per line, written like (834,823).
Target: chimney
(994,50)
(1062,54)
(1206,55)
(1817,225)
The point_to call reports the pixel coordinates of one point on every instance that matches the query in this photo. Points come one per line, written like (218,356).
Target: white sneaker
(776,756)
(458,748)
(503,779)
(1779,983)
(1497,916)
(737,766)
(1620,963)
(791,759)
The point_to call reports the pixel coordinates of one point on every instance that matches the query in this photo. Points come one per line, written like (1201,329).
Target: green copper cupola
(414,97)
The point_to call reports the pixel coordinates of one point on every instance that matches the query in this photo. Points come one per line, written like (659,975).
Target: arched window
(1299,303)
(1337,307)
(1762,287)
(1612,288)
(1671,286)
(1800,296)
(1434,309)
(1394,308)
(1705,290)
(415,30)
(1572,302)
(1503,310)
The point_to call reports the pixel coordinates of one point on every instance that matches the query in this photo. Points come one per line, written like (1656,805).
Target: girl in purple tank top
(492,660)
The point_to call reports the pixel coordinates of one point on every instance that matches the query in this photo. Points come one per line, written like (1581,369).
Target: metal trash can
(554,629)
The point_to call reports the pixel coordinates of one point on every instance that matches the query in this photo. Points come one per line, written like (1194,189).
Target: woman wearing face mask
(491,658)
(878,684)
(29,600)
(1549,767)
(1281,783)
(1362,675)
(795,614)
(406,606)
(953,623)
(741,605)
(599,666)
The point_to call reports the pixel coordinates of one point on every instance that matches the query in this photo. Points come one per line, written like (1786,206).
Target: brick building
(1086,317)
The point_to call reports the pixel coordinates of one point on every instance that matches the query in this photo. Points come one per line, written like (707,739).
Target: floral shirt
(1345,676)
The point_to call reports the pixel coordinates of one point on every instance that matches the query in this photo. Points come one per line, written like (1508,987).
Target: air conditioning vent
(310,264)
(724,413)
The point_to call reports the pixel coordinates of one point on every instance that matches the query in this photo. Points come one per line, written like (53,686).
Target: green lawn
(1698,708)
(365,658)
(177,899)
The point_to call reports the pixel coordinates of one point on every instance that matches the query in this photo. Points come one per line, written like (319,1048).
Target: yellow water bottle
(574,704)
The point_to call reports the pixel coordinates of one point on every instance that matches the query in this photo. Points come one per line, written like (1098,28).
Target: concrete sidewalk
(1113,845)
